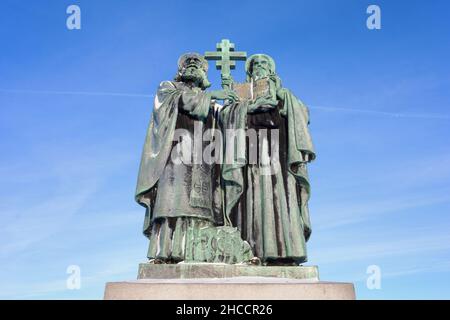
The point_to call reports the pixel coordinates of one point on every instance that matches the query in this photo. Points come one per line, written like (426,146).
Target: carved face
(260,68)
(192,70)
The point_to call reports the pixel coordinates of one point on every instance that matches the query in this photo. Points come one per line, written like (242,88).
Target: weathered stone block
(245,288)
(217,270)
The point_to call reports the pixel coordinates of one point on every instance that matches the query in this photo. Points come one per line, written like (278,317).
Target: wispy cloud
(33,223)
(78,93)
(397,271)
(415,183)
(316,107)
(71,180)
(363,210)
(373,251)
(107,267)
(383,113)
(442,266)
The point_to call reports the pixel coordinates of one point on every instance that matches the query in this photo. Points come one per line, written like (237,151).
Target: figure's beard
(192,75)
(259,73)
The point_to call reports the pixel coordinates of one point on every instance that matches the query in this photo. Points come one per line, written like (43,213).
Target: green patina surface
(233,213)
(217,244)
(210,270)
(225,56)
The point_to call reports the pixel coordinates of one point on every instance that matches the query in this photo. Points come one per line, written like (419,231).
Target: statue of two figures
(226,183)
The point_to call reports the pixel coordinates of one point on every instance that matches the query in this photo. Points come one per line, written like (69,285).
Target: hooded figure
(266,186)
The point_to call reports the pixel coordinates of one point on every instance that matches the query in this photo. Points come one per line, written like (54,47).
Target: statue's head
(259,66)
(192,67)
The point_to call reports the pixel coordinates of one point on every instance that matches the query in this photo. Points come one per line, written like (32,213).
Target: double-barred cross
(226,56)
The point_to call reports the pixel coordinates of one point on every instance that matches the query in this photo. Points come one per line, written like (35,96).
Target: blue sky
(74,108)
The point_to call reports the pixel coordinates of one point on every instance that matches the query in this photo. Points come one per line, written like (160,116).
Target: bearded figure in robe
(267,186)
(180,197)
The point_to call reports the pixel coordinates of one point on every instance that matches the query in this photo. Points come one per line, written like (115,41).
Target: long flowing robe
(179,198)
(270,210)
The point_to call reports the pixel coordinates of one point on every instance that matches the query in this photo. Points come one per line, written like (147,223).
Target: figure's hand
(232,96)
(224,95)
(227,80)
(266,100)
(218,94)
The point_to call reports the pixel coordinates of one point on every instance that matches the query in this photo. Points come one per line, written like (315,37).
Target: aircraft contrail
(81,93)
(140,95)
(383,113)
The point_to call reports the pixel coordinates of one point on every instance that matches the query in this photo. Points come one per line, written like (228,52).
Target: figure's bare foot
(156,261)
(255,261)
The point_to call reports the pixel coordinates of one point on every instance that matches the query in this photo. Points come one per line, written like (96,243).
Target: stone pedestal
(219,270)
(227,282)
(245,288)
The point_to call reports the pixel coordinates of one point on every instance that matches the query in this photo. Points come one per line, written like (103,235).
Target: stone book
(252,90)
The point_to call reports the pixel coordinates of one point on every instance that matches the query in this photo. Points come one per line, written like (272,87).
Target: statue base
(205,281)
(222,270)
